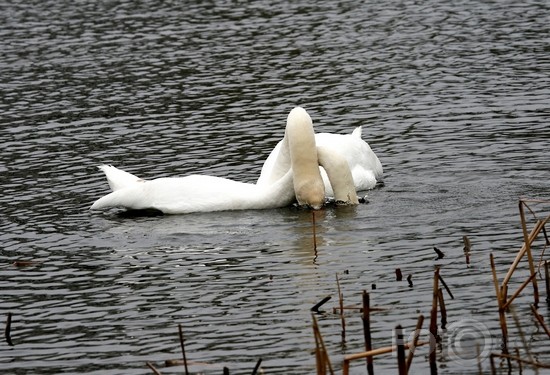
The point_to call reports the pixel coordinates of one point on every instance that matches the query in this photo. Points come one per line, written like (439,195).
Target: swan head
(311,194)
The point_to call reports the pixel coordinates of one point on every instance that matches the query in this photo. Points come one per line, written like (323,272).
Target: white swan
(365,167)
(198,193)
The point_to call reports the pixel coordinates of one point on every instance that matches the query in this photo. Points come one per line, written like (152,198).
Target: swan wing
(276,165)
(364,165)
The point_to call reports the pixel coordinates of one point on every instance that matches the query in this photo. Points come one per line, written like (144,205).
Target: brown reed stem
(341,303)
(379,351)
(318,357)
(401,363)
(433,324)
(492,361)
(398,274)
(532,235)
(517,292)
(479,360)
(155,371)
(183,349)
(500,303)
(467,249)
(414,342)
(527,242)
(511,357)
(321,351)
(540,320)
(547,280)
(366,331)
(526,248)
(545,236)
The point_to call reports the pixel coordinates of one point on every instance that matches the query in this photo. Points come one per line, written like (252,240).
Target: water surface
(453,98)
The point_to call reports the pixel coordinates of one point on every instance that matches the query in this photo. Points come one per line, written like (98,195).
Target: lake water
(454,97)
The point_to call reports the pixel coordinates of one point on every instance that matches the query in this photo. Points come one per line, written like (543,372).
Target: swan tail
(357,132)
(117,178)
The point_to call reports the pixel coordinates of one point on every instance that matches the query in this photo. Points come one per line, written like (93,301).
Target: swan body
(196,193)
(300,179)
(365,167)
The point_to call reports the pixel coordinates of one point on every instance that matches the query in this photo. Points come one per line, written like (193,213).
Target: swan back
(365,166)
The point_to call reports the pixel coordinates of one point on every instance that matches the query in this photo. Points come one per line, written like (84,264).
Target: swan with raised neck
(364,165)
(300,179)
(300,140)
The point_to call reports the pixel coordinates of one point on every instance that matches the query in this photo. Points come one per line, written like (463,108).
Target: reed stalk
(518,359)
(502,317)
(155,371)
(467,249)
(532,235)
(540,320)
(398,274)
(366,331)
(7,331)
(341,304)
(547,280)
(446,287)
(517,292)
(527,242)
(384,350)
(433,325)
(414,342)
(257,367)
(183,349)
(399,340)
(323,360)
(442,308)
